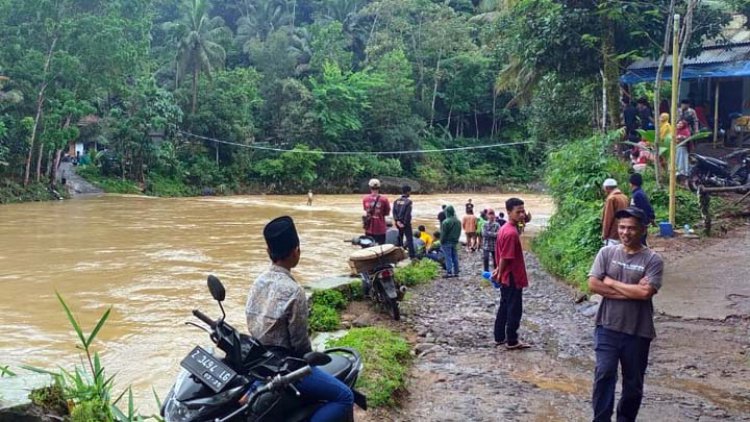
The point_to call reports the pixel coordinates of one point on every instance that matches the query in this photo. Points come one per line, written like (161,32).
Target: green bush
(158,185)
(419,272)
(386,358)
(11,192)
(329,298)
(324,318)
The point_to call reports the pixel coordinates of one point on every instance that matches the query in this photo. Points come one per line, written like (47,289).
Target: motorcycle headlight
(175,411)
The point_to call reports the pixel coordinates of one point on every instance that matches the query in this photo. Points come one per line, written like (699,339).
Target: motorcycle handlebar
(203,317)
(281,381)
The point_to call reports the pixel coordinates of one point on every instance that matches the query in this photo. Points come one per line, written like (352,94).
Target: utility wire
(422,151)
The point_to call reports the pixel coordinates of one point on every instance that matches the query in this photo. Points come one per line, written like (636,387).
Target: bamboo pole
(716,112)
(673,143)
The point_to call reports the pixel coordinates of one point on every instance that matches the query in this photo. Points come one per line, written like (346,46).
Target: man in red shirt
(511,273)
(376,208)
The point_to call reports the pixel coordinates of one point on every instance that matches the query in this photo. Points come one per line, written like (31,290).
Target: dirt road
(699,370)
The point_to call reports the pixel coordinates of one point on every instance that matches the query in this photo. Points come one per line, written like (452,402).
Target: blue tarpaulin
(716,70)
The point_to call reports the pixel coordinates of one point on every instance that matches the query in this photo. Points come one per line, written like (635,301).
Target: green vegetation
(574,175)
(418,272)
(85,392)
(386,357)
(326,306)
(108,184)
(11,192)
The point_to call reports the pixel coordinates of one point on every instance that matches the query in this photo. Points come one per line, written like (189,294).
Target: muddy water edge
(148,259)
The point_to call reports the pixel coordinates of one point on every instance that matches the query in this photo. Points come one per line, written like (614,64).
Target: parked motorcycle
(379,283)
(249,383)
(730,170)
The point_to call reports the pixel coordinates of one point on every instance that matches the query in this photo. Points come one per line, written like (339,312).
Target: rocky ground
(699,370)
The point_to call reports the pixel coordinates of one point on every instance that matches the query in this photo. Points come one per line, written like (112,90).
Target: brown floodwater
(148,258)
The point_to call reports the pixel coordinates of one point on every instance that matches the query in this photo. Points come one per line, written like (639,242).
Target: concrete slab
(712,284)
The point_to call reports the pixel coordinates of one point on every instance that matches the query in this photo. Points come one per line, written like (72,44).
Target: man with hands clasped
(627,276)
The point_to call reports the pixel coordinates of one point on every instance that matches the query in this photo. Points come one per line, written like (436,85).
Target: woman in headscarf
(664,127)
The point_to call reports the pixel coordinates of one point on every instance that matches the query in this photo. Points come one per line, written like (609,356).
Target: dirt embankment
(698,370)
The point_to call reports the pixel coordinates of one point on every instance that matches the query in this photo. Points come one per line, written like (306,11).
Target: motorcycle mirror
(216,288)
(317,359)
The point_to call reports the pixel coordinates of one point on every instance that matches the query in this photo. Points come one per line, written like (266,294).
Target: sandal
(518,346)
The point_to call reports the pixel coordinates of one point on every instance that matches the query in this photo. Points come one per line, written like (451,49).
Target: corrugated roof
(733,45)
(717,54)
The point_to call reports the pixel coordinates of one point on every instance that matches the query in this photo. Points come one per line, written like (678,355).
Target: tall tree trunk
(611,72)
(39,162)
(39,104)
(476,123)
(58,154)
(686,34)
(494,114)
(657,90)
(434,89)
(195,89)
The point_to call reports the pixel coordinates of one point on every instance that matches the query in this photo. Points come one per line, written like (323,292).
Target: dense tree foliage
(180,96)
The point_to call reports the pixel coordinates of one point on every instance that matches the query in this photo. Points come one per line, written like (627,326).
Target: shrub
(329,298)
(170,187)
(419,272)
(324,318)
(107,184)
(386,358)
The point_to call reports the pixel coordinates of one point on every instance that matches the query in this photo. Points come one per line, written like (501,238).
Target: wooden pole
(673,144)
(716,112)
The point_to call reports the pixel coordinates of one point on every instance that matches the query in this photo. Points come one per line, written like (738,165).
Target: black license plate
(211,371)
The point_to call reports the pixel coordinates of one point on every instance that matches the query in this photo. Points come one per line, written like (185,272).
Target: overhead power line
(420,151)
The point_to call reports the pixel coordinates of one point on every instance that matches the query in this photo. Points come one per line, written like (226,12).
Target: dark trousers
(338,398)
(488,254)
(406,232)
(380,238)
(631,353)
(508,317)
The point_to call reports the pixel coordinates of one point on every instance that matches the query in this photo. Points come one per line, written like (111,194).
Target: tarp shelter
(719,75)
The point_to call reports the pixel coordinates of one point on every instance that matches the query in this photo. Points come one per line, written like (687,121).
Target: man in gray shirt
(276,313)
(627,276)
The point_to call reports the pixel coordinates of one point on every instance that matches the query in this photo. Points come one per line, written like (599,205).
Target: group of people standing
(640,116)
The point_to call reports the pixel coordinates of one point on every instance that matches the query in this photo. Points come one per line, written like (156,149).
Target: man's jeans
(320,386)
(631,352)
(509,313)
(488,254)
(451,258)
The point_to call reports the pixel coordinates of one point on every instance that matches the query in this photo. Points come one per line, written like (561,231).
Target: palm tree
(198,49)
(262,17)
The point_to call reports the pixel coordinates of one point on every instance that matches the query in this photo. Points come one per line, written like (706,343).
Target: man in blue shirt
(640,200)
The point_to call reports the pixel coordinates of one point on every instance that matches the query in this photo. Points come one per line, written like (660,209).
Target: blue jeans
(451,258)
(631,353)
(321,386)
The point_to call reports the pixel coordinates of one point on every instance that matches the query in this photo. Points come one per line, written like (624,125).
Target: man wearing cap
(402,215)
(376,208)
(616,200)
(627,276)
(276,313)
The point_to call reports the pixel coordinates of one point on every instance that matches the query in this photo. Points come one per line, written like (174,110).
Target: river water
(148,258)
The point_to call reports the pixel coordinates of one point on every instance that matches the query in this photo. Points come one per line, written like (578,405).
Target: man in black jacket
(402,217)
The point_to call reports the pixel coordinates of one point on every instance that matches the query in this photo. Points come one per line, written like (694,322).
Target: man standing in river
(376,207)
(627,276)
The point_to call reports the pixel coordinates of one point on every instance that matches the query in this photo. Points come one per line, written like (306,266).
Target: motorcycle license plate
(209,370)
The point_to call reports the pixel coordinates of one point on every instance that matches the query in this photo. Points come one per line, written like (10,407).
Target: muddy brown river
(148,258)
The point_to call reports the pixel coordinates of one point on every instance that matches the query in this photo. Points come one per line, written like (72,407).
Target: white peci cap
(610,183)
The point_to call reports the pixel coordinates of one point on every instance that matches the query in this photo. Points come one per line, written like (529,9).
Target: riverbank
(13,193)
(460,375)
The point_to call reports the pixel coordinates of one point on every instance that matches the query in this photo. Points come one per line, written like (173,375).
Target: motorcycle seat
(339,366)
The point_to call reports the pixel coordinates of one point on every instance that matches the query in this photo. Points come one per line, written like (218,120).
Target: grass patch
(107,184)
(386,357)
(158,185)
(419,272)
(12,192)
(326,306)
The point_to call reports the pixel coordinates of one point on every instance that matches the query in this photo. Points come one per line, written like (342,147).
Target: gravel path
(459,375)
